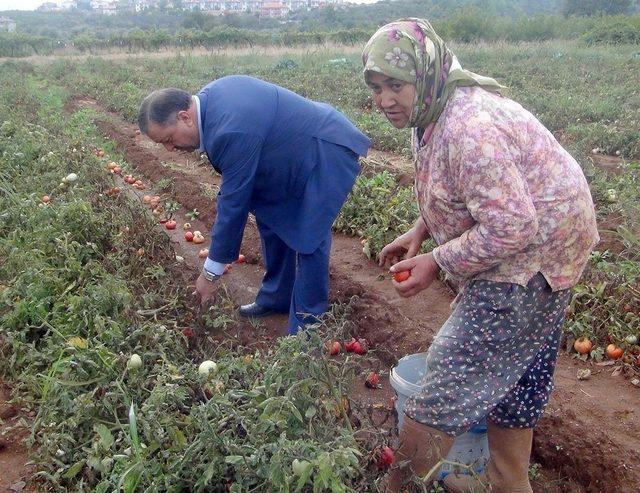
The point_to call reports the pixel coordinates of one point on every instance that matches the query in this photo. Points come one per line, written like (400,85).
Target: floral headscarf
(411,51)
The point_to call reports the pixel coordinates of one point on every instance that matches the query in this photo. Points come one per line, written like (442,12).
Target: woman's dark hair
(162,106)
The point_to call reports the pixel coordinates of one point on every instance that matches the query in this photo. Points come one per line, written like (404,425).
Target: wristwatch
(210,276)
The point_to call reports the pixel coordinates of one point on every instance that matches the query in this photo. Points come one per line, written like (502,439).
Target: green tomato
(134,362)
(207,367)
(300,466)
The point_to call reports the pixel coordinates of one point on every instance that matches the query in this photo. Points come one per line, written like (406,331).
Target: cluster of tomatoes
(116,169)
(583,345)
(66,181)
(359,346)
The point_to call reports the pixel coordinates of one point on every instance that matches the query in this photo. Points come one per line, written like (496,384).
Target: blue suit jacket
(288,160)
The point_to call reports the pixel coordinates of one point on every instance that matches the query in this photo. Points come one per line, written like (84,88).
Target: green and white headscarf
(411,51)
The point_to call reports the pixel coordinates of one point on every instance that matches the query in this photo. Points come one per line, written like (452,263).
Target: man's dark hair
(161,107)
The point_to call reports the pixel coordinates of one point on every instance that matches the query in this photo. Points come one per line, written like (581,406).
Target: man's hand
(424,270)
(206,291)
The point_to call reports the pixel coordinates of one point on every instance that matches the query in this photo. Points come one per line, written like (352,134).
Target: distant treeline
(197,30)
(384,11)
(70,23)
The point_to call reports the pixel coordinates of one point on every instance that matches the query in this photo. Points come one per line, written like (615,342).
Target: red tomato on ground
(334,347)
(372,381)
(582,345)
(188,333)
(384,457)
(188,236)
(359,348)
(171,224)
(614,352)
(241,259)
(364,344)
(348,346)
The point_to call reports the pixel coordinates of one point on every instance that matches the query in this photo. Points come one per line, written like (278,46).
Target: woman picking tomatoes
(514,221)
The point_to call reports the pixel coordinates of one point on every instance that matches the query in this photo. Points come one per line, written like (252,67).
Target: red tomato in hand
(402,276)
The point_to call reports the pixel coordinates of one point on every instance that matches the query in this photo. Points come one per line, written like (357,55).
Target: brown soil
(610,164)
(14,471)
(587,441)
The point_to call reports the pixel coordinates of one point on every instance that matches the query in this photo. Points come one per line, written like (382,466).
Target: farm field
(90,278)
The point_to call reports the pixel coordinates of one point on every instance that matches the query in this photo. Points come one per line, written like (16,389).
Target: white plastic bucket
(470,448)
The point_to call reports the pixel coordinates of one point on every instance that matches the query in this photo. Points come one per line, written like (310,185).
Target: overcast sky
(34,4)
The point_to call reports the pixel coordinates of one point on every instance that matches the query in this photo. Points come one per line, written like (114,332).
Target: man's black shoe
(254,310)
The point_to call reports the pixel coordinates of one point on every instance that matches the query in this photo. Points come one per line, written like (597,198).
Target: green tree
(595,7)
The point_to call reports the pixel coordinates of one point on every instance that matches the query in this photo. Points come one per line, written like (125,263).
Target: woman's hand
(424,270)
(405,246)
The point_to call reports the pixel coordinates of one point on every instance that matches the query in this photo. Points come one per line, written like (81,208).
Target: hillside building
(7,24)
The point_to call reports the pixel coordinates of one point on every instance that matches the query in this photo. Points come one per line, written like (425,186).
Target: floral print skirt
(493,358)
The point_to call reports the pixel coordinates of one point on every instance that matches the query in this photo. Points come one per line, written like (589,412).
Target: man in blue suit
(288,160)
